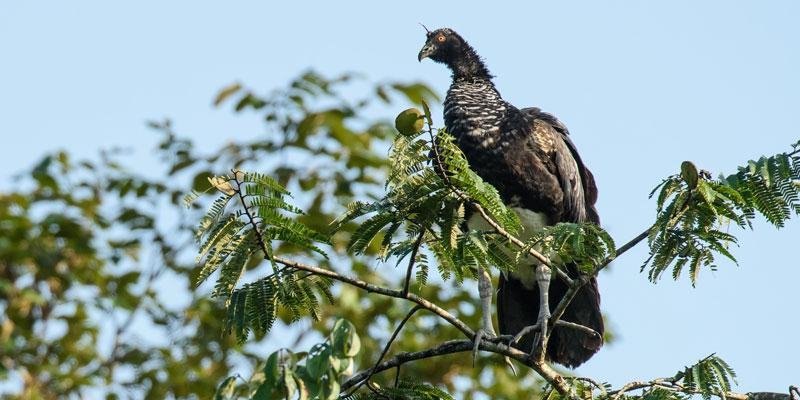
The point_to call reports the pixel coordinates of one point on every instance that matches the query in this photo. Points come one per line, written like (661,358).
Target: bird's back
(502,147)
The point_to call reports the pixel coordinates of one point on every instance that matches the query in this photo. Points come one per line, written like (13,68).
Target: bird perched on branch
(528,157)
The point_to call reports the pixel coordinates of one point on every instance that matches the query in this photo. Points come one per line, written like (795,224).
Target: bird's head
(442,45)
(448,47)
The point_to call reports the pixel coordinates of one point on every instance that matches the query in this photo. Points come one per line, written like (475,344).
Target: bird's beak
(426,51)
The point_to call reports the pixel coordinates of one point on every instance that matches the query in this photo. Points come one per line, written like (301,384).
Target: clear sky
(641,85)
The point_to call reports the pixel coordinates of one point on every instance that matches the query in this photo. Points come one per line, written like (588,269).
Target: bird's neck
(469,66)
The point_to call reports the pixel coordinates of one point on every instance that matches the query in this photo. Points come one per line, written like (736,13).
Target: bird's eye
(440,38)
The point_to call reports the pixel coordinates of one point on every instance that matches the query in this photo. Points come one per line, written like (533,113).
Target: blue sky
(641,85)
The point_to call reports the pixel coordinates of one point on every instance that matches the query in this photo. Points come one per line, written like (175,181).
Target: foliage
(331,172)
(84,247)
(92,244)
(230,240)
(709,376)
(283,376)
(693,211)
(585,245)
(429,201)
(81,254)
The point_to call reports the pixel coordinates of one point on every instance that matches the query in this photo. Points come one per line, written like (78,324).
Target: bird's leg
(485,289)
(543,275)
(487,329)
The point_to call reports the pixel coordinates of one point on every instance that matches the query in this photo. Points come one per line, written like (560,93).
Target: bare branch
(457,346)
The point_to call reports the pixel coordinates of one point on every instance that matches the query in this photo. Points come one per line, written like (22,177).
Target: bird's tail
(518,307)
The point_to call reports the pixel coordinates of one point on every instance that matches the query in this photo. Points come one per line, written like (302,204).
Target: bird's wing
(577,182)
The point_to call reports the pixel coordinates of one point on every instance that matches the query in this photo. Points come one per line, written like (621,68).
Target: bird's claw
(481,334)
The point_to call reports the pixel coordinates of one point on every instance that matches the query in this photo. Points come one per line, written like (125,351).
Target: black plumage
(528,156)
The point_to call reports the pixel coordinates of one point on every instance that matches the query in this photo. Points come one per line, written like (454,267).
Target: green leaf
(289,383)
(272,375)
(345,340)
(226,389)
(330,387)
(319,360)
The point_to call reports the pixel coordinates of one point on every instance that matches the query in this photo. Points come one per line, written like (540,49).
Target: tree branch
(457,346)
(424,303)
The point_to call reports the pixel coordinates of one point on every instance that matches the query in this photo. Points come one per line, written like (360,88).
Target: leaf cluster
(694,211)
(240,229)
(430,188)
(709,376)
(585,245)
(303,375)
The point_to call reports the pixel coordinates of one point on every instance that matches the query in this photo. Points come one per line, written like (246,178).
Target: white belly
(531,221)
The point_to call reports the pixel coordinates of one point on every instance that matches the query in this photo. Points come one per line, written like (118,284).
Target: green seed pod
(410,121)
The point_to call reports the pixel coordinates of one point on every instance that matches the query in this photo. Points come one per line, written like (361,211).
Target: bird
(528,156)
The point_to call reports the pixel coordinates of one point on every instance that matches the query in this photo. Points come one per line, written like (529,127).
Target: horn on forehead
(427,31)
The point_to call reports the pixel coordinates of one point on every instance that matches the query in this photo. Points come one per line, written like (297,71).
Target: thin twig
(397,376)
(625,247)
(386,348)
(410,269)
(590,381)
(460,325)
(616,394)
(250,218)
